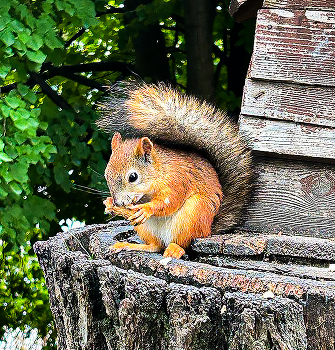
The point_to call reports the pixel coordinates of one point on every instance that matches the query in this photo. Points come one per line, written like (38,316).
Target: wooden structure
(288,112)
(268,286)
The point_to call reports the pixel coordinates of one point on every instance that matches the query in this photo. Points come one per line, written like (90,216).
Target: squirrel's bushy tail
(164,114)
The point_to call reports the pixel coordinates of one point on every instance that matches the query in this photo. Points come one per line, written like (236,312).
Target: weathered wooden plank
(293,197)
(325,5)
(295,46)
(288,138)
(241,10)
(236,244)
(255,244)
(300,271)
(299,103)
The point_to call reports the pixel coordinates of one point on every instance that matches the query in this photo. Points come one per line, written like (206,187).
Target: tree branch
(122,67)
(98,14)
(68,72)
(75,37)
(111,10)
(46,88)
(83,80)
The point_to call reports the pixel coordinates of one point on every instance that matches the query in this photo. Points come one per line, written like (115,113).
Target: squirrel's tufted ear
(144,148)
(116,140)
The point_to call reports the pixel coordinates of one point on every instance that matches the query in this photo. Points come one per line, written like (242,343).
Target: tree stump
(240,291)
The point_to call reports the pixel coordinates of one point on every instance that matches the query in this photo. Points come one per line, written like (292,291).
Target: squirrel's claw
(140,216)
(140,220)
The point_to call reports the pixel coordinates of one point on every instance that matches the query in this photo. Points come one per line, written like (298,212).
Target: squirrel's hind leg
(152,244)
(194,219)
(173,250)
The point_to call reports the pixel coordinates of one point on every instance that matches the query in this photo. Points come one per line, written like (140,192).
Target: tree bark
(199,17)
(151,55)
(151,62)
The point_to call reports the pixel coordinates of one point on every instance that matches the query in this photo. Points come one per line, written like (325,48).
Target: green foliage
(55,58)
(22,287)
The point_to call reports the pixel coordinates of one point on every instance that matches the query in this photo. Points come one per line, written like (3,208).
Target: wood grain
(293,197)
(259,245)
(288,138)
(324,5)
(295,46)
(298,103)
(294,270)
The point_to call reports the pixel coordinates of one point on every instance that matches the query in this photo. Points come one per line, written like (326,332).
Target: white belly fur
(161,227)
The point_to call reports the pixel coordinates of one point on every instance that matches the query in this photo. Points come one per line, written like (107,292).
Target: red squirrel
(182,172)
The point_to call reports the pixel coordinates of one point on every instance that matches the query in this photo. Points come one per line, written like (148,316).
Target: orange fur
(183,188)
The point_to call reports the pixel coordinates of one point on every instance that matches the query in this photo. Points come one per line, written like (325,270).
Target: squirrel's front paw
(109,204)
(114,210)
(142,212)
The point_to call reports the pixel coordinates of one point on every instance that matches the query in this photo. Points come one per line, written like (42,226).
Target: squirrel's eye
(132,177)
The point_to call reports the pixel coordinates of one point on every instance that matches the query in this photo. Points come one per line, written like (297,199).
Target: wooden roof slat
(295,46)
(292,102)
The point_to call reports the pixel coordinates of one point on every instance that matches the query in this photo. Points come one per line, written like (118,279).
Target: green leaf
(47,6)
(23,89)
(6,175)
(52,42)
(15,187)
(44,125)
(34,67)
(22,8)
(36,56)
(49,150)
(60,5)
(4,157)
(23,113)
(69,9)
(13,101)
(20,47)
(19,172)
(31,97)
(19,114)
(35,43)
(4,70)
(4,20)
(3,194)
(7,37)
(44,24)
(21,124)
(5,110)
(24,36)
(16,26)
(21,71)
(62,177)
(20,138)
(29,125)
(43,207)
